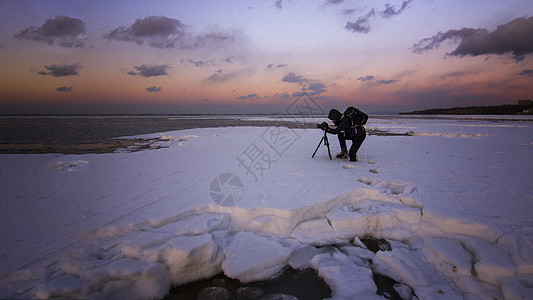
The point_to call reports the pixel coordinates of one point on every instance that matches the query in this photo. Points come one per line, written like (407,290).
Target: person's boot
(342,155)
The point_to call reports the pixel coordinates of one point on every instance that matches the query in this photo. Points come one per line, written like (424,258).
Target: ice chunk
(448,256)
(375,218)
(134,244)
(196,224)
(512,289)
(360,256)
(190,258)
(521,249)
(250,257)
(492,263)
(404,291)
(346,279)
(408,267)
(301,258)
(127,278)
(61,287)
(314,231)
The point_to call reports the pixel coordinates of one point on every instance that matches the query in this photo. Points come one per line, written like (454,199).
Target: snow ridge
(144,260)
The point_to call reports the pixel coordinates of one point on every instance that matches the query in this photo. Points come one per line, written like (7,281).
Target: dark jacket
(345,124)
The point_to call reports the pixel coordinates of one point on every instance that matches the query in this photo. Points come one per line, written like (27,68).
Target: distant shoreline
(524,107)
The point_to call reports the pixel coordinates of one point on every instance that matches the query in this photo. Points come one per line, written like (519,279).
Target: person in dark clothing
(348,128)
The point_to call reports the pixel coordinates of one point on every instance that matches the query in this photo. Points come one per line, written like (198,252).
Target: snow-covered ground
(453,199)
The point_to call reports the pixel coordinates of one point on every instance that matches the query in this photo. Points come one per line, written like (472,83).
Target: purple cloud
(219,76)
(389,81)
(366,78)
(362,24)
(390,10)
(527,73)
(250,96)
(61,30)
(60,70)
(65,89)
(154,89)
(513,37)
(293,78)
(271,67)
(156,31)
(149,70)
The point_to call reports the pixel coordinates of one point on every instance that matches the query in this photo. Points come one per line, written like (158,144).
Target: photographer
(348,126)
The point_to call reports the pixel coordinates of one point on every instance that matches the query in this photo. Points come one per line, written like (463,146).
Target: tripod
(326,143)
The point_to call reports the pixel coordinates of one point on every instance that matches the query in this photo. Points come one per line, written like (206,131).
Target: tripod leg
(317,147)
(326,142)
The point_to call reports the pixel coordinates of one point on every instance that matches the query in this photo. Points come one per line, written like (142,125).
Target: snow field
(454,209)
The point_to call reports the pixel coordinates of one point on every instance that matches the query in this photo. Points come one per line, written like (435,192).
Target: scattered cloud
(163,32)
(156,31)
(154,89)
(332,2)
(390,10)
(293,78)
(513,37)
(149,70)
(200,63)
(250,96)
(60,70)
(271,67)
(219,76)
(527,73)
(208,63)
(454,75)
(366,78)
(389,81)
(61,30)
(216,36)
(370,79)
(362,24)
(64,89)
(315,88)
(348,11)
(279,4)
(309,86)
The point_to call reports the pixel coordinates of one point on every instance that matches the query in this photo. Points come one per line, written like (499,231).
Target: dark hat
(334,115)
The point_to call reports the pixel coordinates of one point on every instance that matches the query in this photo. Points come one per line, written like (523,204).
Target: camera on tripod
(322,125)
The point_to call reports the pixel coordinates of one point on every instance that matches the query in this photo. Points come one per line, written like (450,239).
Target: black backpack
(356,116)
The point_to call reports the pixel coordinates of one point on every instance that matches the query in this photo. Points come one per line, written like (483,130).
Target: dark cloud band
(514,37)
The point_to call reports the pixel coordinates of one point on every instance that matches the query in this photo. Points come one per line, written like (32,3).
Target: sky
(212,56)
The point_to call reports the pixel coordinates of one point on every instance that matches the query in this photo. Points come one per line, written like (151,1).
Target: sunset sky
(259,56)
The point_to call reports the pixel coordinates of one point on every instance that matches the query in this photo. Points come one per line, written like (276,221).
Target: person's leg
(356,144)
(342,143)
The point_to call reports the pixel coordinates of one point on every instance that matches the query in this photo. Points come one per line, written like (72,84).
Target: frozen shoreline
(453,200)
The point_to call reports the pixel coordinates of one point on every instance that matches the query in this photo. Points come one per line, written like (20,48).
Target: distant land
(523,107)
